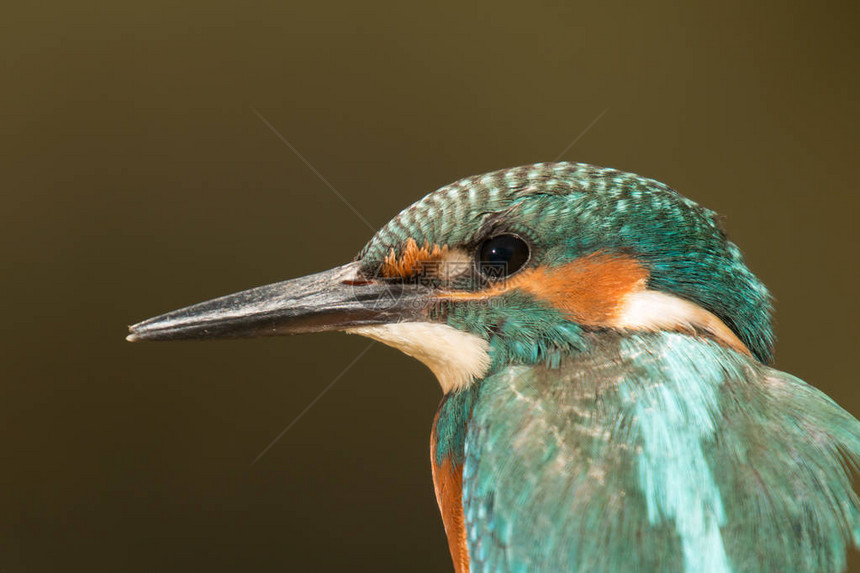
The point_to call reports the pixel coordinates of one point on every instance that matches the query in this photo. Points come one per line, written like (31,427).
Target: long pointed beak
(331,300)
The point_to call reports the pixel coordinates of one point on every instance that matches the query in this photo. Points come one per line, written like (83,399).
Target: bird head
(524,265)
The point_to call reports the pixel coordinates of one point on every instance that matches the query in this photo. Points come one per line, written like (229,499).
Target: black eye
(502,256)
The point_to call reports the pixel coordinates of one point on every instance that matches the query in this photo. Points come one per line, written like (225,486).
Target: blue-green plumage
(588,449)
(656,452)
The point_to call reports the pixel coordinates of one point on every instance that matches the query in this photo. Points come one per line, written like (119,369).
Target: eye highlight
(502,255)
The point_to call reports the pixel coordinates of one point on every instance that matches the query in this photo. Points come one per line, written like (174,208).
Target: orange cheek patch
(412,259)
(591,290)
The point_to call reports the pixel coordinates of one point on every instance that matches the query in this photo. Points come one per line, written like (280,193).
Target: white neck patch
(457,358)
(654,311)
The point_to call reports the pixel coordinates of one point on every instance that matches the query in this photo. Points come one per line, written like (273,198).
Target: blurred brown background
(136,178)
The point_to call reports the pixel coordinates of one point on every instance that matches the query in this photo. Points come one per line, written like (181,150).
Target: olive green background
(137,178)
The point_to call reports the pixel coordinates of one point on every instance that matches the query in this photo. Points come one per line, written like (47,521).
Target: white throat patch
(457,358)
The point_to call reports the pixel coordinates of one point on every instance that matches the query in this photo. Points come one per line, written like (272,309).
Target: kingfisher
(603,352)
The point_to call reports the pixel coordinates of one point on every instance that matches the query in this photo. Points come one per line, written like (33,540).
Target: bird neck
(592,350)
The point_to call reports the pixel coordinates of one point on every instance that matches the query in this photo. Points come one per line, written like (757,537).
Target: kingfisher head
(520,266)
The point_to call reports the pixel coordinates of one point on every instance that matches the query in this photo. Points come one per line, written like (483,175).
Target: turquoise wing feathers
(658,452)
